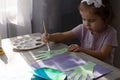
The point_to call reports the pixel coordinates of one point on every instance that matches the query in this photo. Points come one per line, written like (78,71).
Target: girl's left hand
(74,48)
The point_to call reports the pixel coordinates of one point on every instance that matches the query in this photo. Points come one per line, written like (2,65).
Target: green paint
(49,74)
(48,54)
(84,71)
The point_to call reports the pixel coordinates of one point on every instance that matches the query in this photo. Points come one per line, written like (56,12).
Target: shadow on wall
(8,31)
(70,18)
(69,21)
(12,31)
(117,52)
(116,24)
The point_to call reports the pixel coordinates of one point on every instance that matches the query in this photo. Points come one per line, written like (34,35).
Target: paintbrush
(45,31)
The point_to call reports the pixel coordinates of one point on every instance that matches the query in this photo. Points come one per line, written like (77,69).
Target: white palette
(27,43)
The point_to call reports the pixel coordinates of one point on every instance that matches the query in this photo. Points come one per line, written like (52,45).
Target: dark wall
(70,15)
(116,24)
(59,15)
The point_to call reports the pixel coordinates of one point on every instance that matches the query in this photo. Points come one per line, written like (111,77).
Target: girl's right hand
(45,37)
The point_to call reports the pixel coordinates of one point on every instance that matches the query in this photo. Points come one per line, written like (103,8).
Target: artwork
(73,65)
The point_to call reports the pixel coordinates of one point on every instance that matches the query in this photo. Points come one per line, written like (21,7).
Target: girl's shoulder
(78,27)
(111,29)
(81,26)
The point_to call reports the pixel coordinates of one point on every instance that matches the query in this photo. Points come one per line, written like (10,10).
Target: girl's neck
(101,31)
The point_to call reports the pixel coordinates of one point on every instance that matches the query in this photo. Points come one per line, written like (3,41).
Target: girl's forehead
(89,9)
(88,13)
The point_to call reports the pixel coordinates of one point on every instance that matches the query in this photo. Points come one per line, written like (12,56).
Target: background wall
(59,15)
(49,10)
(116,24)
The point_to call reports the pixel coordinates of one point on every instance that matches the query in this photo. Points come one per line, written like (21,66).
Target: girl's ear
(110,17)
(108,20)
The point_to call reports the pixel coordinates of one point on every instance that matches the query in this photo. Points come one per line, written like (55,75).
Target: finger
(71,75)
(77,77)
(41,56)
(76,49)
(38,56)
(69,69)
(43,52)
(84,77)
(45,37)
(71,47)
(91,75)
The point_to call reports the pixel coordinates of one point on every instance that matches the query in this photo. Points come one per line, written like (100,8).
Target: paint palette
(27,43)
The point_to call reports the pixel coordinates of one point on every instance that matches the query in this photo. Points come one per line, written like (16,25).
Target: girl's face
(91,21)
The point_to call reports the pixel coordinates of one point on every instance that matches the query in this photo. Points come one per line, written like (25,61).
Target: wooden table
(15,65)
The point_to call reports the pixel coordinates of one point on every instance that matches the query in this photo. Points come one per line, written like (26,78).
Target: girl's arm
(57,37)
(102,54)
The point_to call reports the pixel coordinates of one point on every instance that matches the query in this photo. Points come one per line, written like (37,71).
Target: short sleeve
(77,31)
(111,39)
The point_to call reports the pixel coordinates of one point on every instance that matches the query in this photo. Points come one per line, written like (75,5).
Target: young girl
(96,36)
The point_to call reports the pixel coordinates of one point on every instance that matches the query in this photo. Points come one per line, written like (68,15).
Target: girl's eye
(84,19)
(91,20)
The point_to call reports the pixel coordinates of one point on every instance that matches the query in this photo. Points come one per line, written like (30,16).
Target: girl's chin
(90,30)
(93,32)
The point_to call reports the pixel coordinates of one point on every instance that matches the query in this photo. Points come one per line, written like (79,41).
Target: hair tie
(97,3)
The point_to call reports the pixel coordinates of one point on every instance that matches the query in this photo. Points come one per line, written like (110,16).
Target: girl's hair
(105,12)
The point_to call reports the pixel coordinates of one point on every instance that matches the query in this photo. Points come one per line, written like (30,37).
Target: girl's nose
(86,23)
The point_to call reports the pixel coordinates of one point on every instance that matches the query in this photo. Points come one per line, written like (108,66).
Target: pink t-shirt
(95,42)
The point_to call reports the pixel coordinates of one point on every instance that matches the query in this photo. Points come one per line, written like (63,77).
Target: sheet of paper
(65,61)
